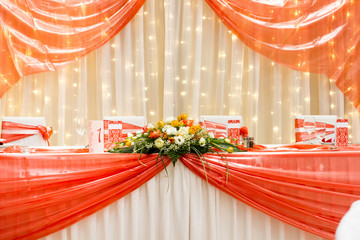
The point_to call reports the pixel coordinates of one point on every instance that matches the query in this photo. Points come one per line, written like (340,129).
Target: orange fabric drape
(43,193)
(312,36)
(38,36)
(309,187)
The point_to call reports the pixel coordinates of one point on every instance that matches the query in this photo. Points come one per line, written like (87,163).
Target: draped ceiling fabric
(292,33)
(309,187)
(38,36)
(311,36)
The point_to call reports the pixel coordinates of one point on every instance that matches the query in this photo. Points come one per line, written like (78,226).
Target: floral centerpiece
(172,138)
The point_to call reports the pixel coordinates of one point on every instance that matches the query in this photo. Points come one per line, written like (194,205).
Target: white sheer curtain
(174,57)
(181,207)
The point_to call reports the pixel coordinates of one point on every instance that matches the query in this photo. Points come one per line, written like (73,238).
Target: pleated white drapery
(174,57)
(181,206)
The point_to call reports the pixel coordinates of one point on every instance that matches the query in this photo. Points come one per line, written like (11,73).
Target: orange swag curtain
(53,191)
(311,36)
(38,36)
(43,193)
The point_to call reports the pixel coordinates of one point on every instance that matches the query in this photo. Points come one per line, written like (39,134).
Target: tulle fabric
(311,36)
(43,193)
(39,36)
(308,187)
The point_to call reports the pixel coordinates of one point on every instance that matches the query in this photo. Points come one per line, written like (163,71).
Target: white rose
(159,143)
(179,140)
(202,141)
(150,126)
(130,135)
(171,130)
(183,131)
(169,119)
(211,135)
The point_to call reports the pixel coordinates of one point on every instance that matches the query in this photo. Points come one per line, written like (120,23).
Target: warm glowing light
(36,91)
(74,85)
(332,106)
(152,113)
(255,119)
(183,93)
(251,67)
(275,129)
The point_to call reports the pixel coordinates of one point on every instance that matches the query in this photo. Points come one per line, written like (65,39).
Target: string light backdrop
(174,57)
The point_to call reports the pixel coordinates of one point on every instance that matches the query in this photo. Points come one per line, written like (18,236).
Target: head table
(283,192)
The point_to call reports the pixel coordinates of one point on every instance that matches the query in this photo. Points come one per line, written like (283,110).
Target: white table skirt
(187,208)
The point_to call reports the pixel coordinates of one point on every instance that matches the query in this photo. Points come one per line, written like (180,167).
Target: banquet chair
(25,131)
(349,226)
(218,124)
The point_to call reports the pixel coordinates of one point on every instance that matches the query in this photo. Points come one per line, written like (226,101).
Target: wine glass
(309,125)
(80,128)
(320,131)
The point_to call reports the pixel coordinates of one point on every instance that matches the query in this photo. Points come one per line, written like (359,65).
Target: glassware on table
(320,131)
(80,128)
(309,125)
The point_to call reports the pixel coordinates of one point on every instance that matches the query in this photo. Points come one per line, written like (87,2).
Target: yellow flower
(182,117)
(128,143)
(161,124)
(174,123)
(198,127)
(230,149)
(192,130)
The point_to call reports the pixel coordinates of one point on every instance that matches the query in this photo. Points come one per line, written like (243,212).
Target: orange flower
(189,123)
(171,140)
(175,123)
(155,134)
(198,127)
(192,130)
(182,117)
(160,124)
(164,135)
(244,131)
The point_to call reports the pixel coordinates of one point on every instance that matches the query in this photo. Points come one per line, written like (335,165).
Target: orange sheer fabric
(311,36)
(43,193)
(310,188)
(38,36)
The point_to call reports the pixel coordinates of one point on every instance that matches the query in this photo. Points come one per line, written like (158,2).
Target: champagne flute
(309,125)
(320,131)
(80,128)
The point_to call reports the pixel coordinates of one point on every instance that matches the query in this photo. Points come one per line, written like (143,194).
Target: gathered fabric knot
(45,132)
